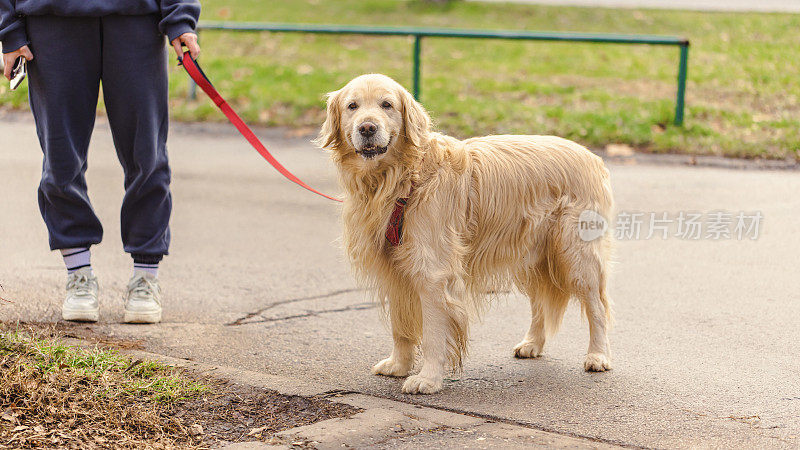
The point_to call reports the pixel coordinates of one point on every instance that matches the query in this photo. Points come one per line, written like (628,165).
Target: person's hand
(10,58)
(190,41)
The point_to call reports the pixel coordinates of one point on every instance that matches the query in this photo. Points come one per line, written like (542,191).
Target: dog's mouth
(370,151)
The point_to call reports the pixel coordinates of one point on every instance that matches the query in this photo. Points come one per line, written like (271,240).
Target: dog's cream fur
(486,213)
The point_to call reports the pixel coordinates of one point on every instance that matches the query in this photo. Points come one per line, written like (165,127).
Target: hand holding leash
(190,41)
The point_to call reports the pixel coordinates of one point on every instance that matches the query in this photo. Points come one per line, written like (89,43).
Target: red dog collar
(394,231)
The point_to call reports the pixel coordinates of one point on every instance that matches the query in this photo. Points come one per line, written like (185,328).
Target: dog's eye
(386,104)
(352,106)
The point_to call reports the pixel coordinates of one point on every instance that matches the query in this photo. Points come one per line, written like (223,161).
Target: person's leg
(64,80)
(77,258)
(136,95)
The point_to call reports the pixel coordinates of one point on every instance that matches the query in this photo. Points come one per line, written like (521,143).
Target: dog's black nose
(367,129)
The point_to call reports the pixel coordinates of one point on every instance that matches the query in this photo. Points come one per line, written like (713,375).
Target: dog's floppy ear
(330,136)
(416,121)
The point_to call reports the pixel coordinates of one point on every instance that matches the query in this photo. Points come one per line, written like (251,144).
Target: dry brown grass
(57,396)
(52,395)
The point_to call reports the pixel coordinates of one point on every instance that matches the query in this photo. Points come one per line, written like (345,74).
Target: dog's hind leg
(548,304)
(596,308)
(588,273)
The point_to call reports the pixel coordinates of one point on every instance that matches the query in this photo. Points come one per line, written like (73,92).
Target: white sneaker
(143,304)
(81,302)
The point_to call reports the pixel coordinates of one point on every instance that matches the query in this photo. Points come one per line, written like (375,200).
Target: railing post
(682,68)
(192,90)
(417,51)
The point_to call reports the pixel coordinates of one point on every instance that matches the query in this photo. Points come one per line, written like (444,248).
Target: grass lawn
(743,94)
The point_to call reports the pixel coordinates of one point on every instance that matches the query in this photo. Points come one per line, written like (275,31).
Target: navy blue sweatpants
(72,57)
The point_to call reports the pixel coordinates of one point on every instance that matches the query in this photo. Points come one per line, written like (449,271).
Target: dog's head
(375,118)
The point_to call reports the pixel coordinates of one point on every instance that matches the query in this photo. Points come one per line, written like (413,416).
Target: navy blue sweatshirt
(177,16)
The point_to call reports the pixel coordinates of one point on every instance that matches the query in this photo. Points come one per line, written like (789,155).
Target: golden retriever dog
(481,215)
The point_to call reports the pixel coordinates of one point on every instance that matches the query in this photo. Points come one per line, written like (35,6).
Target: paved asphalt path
(705,344)
(792,6)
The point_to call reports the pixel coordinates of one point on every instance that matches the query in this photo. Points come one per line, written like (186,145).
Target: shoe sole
(80,315)
(142,317)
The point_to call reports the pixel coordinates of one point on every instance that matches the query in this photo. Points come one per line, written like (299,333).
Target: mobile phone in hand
(18,72)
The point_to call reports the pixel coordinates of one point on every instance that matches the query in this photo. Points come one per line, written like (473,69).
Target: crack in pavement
(355,307)
(240,321)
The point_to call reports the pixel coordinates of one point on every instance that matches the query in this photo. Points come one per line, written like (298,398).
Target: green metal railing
(419,33)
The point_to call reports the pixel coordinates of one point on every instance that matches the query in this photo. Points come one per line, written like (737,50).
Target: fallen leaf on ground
(9,415)
(256,431)
(196,429)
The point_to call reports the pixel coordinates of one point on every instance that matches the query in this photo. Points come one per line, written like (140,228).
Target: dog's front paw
(391,368)
(417,384)
(528,349)
(597,362)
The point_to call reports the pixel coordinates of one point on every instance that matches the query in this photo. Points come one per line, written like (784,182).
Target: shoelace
(80,283)
(142,286)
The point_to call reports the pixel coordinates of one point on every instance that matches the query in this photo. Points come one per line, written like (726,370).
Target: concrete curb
(719,162)
(384,423)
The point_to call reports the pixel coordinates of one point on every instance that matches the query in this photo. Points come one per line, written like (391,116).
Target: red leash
(205,84)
